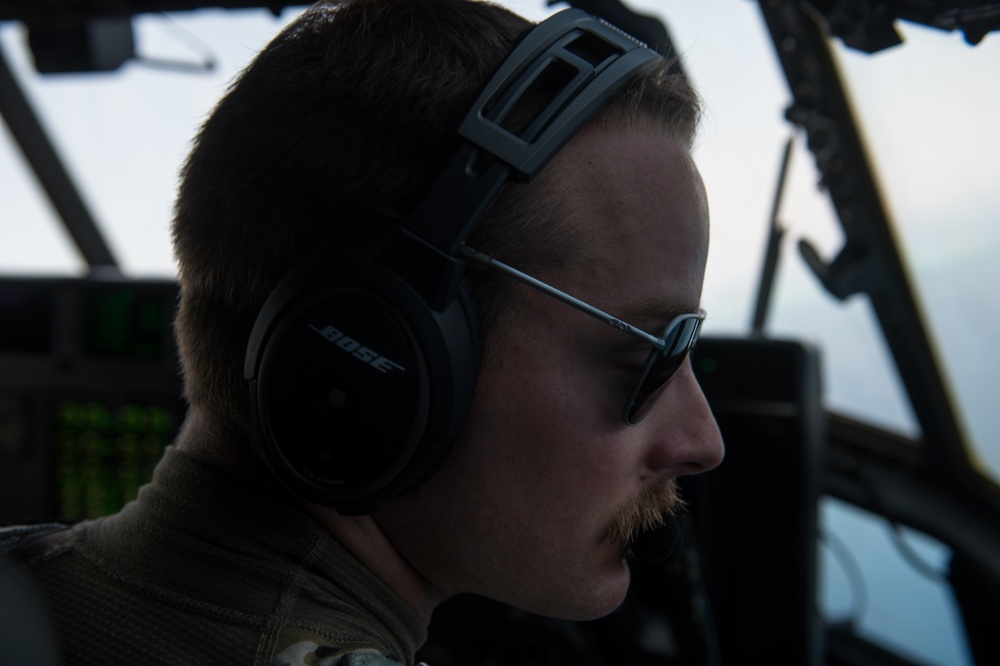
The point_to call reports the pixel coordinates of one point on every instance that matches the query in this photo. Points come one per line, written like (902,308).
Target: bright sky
(929,109)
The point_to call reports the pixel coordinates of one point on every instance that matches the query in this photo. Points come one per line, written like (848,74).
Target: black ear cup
(357,387)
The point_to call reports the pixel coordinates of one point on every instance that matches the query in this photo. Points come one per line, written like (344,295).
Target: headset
(362,363)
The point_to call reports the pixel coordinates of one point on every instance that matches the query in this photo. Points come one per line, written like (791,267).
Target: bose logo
(357,350)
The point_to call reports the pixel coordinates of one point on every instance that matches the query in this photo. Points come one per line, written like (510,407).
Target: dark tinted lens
(680,336)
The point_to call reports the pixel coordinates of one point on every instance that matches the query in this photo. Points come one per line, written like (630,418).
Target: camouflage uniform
(201,569)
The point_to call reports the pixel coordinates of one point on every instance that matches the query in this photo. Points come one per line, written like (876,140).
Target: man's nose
(686,436)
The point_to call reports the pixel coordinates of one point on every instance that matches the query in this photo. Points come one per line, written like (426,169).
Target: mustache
(645,511)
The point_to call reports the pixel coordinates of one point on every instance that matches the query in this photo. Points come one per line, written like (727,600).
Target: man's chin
(606,606)
(589,600)
(608,591)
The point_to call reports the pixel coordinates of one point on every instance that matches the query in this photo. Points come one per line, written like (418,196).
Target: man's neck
(231,452)
(367,542)
(360,535)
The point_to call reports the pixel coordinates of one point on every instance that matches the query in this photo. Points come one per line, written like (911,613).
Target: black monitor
(90,393)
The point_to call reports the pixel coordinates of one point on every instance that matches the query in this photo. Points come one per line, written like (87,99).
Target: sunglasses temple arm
(489,262)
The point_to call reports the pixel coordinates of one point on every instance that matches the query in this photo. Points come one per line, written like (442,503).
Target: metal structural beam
(869,261)
(49,11)
(52,174)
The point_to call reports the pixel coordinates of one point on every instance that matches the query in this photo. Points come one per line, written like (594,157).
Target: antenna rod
(775,234)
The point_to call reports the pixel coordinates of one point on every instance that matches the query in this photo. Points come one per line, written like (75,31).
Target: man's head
(352,111)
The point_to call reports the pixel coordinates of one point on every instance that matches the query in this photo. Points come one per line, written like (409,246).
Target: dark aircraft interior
(90,393)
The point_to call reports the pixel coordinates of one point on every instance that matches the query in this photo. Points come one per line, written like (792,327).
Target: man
(264,540)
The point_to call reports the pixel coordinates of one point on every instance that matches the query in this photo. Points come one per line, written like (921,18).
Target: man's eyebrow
(652,315)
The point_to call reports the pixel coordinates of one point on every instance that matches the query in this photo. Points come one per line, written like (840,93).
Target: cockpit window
(928,109)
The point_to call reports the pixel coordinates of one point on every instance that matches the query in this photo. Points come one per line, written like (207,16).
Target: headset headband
(574,63)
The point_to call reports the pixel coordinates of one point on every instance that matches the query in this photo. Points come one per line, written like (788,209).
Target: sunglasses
(669,349)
